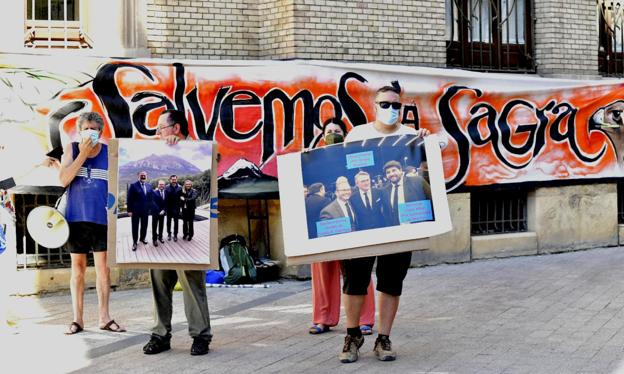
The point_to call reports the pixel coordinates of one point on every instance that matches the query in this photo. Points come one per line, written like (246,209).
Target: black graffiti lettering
(410,115)
(562,129)
(180,88)
(451,125)
(57,118)
(117,108)
(540,137)
(473,126)
(352,109)
(569,114)
(230,102)
(289,106)
(139,117)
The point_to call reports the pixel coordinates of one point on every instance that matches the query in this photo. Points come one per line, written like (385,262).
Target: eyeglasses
(159,129)
(387,104)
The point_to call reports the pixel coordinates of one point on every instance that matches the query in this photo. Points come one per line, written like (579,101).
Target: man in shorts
(84,171)
(391,268)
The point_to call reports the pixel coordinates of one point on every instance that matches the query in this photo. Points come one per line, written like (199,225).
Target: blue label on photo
(415,211)
(3,244)
(360,160)
(333,226)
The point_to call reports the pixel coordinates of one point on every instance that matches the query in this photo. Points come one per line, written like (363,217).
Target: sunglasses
(388,104)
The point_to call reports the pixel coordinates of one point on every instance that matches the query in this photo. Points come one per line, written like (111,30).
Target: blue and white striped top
(88,191)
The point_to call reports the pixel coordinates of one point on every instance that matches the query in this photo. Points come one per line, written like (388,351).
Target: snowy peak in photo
(160,165)
(243,169)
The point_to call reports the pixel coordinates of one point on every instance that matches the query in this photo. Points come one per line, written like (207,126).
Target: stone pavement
(544,314)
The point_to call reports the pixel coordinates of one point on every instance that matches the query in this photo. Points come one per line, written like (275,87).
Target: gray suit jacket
(333,210)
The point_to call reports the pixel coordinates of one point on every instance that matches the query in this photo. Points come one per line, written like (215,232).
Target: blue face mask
(388,116)
(94,135)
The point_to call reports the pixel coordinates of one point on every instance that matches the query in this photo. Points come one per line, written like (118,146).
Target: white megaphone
(47,227)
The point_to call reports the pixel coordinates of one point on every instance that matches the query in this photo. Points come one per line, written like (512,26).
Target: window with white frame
(54,24)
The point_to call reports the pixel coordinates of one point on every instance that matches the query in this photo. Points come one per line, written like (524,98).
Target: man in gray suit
(340,207)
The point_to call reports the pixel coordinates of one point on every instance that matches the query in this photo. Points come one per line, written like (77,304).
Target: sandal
(366,330)
(317,329)
(108,327)
(74,328)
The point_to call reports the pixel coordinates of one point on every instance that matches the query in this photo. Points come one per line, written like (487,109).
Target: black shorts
(85,237)
(391,271)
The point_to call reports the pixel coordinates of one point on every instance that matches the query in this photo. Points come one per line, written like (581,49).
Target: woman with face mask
(84,171)
(326,290)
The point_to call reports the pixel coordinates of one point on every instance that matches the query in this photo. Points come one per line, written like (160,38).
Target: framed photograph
(364,198)
(162,201)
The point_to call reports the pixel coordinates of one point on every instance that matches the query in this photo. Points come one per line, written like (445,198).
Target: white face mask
(94,135)
(388,116)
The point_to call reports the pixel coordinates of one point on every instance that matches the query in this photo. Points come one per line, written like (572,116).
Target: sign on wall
(500,128)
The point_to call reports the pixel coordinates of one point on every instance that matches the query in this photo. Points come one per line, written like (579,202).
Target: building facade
(550,38)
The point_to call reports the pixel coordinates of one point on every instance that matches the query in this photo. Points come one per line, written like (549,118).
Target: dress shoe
(189,238)
(161,240)
(156,345)
(169,237)
(184,237)
(200,346)
(155,243)
(175,238)
(143,241)
(134,246)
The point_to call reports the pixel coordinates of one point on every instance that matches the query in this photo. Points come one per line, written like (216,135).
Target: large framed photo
(160,213)
(365,198)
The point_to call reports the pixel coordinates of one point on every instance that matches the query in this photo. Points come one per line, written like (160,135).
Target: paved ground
(545,314)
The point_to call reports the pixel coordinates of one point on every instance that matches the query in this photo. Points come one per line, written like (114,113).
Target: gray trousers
(195,301)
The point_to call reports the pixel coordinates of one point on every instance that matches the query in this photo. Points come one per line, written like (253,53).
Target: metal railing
(498,212)
(490,35)
(30,255)
(63,33)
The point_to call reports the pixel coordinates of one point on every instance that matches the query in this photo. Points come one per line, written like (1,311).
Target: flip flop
(110,323)
(366,330)
(317,329)
(74,328)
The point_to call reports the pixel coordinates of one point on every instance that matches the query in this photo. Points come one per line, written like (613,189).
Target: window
(498,212)
(611,40)
(491,35)
(54,24)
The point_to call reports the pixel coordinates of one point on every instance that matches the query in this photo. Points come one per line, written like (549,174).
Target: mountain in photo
(244,179)
(157,166)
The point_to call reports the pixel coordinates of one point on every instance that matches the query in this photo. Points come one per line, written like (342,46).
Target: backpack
(236,262)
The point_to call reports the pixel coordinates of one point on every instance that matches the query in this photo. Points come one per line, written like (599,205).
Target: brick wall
(204,29)
(408,32)
(566,37)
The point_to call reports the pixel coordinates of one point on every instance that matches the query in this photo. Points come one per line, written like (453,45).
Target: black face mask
(333,139)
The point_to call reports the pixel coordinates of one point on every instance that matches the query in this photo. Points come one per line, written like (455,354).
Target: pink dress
(326,296)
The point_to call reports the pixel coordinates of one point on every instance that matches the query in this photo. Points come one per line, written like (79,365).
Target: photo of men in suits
(315,202)
(366,203)
(139,202)
(172,204)
(158,212)
(188,196)
(402,189)
(340,207)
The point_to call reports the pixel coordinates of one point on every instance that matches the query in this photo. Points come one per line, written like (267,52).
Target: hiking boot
(156,345)
(200,346)
(351,349)
(383,349)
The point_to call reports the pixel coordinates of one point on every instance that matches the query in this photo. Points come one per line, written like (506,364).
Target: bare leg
(76,285)
(102,285)
(388,306)
(353,308)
